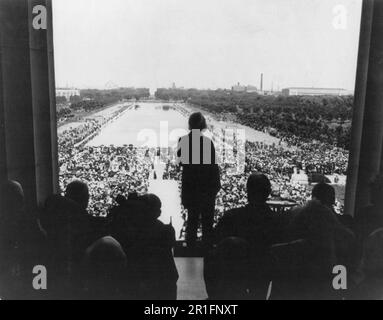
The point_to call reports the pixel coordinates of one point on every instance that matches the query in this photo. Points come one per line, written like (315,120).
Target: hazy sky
(206,43)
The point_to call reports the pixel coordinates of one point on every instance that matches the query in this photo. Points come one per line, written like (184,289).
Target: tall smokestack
(261,81)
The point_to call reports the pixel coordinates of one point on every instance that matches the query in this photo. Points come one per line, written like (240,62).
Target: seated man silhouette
(200,179)
(78,192)
(68,234)
(67,229)
(148,244)
(20,239)
(103,263)
(370,218)
(227,270)
(80,264)
(258,227)
(371,285)
(304,268)
(104,271)
(318,224)
(11,254)
(325,193)
(256,222)
(345,239)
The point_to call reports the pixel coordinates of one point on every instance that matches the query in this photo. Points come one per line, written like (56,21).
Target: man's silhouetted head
(79,193)
(324,193)
(154,204)
(197,122)
(11,199)
(258,188)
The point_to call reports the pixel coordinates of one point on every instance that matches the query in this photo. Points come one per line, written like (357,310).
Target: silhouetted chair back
(371,286)
(148,245)
(104,270)
(300,272)
(346,249)
(67,231)
(227,270)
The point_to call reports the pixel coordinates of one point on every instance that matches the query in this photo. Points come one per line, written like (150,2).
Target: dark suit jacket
(257,224)
(200,175)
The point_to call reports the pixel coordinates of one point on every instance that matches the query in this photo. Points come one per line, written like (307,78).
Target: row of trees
(323,118)
(87,105)
(93,99)
(62,100)
(63,111)
(115,95)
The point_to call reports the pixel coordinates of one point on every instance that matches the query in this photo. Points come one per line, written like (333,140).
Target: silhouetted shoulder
(227,226)
(234,214)
(106,247)
(107,242)
(165,233)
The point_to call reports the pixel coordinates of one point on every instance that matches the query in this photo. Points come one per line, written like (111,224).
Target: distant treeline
(93,99)
(323,118)
(86,105)
(63,111)
(115,95)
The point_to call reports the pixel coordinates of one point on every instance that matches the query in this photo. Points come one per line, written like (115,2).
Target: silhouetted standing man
(200,179)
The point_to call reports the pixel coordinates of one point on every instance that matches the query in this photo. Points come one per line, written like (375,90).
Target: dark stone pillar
(367,132)
(44,110)
(3,155)
(17,96)
(52,97)
(26,104)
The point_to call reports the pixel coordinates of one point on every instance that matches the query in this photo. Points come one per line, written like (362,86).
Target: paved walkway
(190,285)
(169,193)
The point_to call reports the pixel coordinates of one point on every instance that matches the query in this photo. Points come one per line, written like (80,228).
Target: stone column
(27,107)
(43,102)
(367,131)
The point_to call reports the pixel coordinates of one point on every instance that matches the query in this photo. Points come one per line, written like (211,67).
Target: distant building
(67,93)
(251,89)
(240,88)
(301,91)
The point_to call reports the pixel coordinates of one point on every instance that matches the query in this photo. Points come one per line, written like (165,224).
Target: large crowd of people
(109,171)
(278,163)
(101,237)
(130,256)
(107,168)
(104,168)
(80,133)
